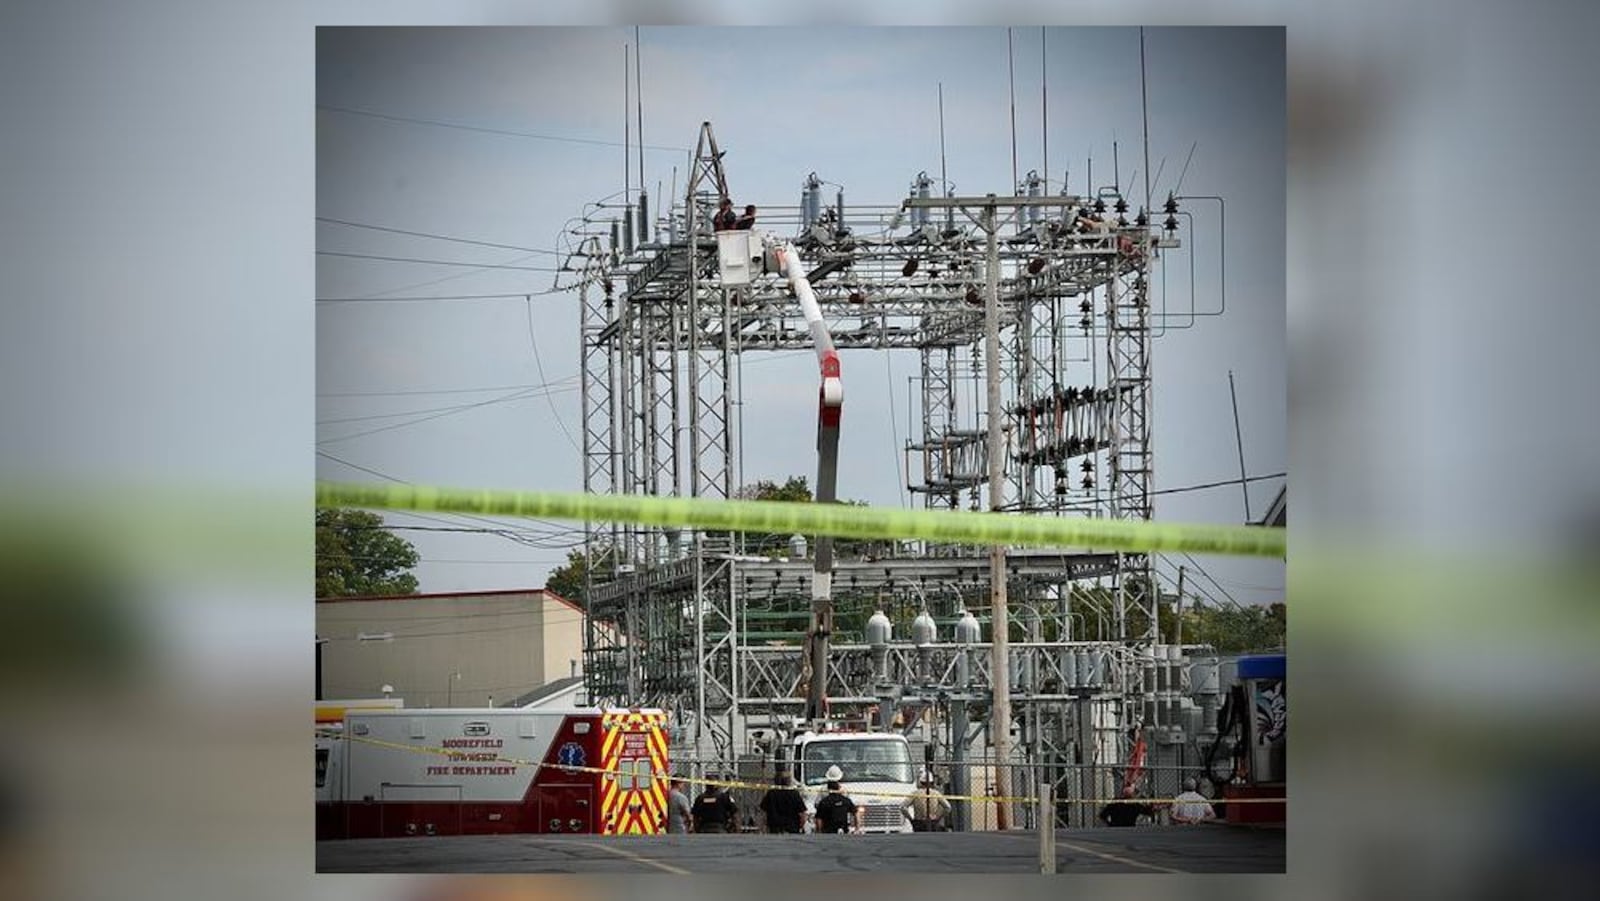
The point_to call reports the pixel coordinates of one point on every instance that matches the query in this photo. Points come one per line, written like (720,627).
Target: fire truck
(472,771)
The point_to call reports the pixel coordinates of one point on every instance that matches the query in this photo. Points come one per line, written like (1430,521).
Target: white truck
(876,773)
(467,771)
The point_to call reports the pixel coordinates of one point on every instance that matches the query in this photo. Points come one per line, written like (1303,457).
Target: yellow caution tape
(838,520)
(762,786)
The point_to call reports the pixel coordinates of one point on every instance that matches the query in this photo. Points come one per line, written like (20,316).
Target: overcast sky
(541,114)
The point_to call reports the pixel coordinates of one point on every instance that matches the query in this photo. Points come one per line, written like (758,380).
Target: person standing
(709,812)
(1125,811)
(836,813)
(1190,806)
(785,810)
(679,813)
(746,221)
(928,807)
(725,793)
(725,217)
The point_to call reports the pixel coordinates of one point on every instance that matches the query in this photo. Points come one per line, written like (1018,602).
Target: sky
(504,135)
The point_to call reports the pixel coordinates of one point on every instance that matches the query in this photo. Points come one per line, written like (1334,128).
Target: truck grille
(883,816)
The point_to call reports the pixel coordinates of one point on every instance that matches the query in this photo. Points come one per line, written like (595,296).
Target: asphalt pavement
(1208,848)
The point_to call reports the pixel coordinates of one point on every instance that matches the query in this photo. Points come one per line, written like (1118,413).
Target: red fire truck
(465,771)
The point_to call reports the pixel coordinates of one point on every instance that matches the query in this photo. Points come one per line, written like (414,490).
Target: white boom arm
(830,404)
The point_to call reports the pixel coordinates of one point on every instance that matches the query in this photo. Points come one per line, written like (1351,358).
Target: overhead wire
(436,237)
(527,394)
(534,341)
(417,120)
(519,535)
(510,295)
(387,259)
(423,391)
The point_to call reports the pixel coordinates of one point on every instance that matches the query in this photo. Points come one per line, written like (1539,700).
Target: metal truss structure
(710,627)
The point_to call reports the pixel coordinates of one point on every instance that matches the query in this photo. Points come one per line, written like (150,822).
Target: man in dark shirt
(709,812)
(1125,812)
(729,806)
(725,217)
(835,811)
(748,220)
(784,808)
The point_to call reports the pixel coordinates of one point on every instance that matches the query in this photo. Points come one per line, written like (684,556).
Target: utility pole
(1000,725)
(984,212)
(1177,621)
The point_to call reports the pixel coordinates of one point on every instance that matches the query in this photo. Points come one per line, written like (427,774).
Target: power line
(520,536)
(517,295)
(538,363)
(1275,475)
(440,390)
(415,234)
(436,560)
(368,256)
(1202,571)
(381,475)
(450,412)
(530,394)
(378,295)
(414,120)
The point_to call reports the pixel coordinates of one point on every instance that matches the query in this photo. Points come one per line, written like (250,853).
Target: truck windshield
(861,760)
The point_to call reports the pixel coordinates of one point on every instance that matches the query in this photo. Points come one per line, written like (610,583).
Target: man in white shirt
(1190,806)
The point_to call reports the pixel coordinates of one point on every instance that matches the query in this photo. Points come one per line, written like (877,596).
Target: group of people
(1188,807)
(726,219)
(785,810)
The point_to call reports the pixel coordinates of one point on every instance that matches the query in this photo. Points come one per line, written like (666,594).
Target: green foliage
(1231,630)
(798,490)
(357,556)
(571,579)
(1237,630)
(795,489)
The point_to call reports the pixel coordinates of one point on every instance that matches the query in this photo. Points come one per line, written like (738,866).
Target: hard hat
(834,774)
(927,778)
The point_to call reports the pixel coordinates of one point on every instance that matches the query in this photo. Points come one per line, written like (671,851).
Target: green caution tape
(838,520)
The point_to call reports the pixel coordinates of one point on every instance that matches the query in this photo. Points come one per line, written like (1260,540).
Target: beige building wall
(439,650)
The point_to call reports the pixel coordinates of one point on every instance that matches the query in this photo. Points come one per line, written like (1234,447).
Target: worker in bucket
(927,807)
(836,813)
(725,217)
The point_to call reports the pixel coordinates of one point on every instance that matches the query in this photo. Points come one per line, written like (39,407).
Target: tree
(357,556)
(1236,630)
(795,489)
(570,579)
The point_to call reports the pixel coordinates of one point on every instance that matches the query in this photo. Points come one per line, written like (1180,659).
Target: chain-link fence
(973,787)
